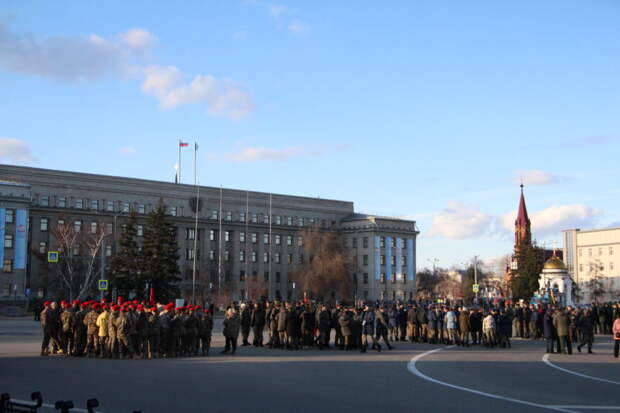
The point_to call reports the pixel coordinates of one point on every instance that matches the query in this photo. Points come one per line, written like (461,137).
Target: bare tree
(79,257)
(256,287)
(596,284)
(327,272)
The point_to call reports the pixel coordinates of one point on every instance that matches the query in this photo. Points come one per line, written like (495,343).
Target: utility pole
(476,274)
(197,205)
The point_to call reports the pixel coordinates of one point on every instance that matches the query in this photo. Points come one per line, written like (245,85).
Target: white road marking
(591,407)
(545,360)
(411,366)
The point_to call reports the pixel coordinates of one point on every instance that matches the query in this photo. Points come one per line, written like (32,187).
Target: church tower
(523,233)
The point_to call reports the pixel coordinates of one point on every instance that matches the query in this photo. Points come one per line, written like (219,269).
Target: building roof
(522,218)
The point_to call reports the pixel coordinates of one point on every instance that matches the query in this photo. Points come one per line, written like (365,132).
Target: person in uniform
(112,332)
(102,323)
(164,324)
(92,331)
(154,333)
(464,327)
(50,324)
(206,329)
(344,321)
(283,317)
(368,329)
(66,322)
(123,329)
(308,320)
(382,326)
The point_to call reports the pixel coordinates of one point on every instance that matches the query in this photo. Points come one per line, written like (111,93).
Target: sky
(433,111)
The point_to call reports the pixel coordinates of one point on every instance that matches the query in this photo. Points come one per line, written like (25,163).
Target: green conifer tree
(160,255)
(530,259)
(125,266)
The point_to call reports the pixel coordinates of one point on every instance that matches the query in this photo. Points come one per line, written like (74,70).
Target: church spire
(522,224)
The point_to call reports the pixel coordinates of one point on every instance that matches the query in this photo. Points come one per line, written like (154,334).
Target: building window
(61,223)
(403,261)
(266,275)
(289,240)
(190,233)
(226,255)
(140,230)
(254,218)
(42,247)
(580,254)
(189,254)
(590,252)
(226,236)
(278,258)
(301,258)
(79,204)
(108,228)
(354,242)
(9,216)
(278,239)
(8,266)
(611,250)
(110,206)
(265,238)
(77,226)
(126,207)
(382,260)
(289,221)
(265,219)
(278,220)
(94,204)
(300,222)
(365,259)
(44,224)
(300,241)
(382,242)
(212,235)
(93,227)
(611,266)
(108,250)
(382,280)
(8,240)
(45,201)
(173,211)
(241,275)
(242,256)
(289,259)
(214,214)
(242,236)
(600,251)
(602,267)
(254,237)
(141,209)
(278,277)
(229,216)
(265,257)
(365,242)
(212,255)
(241,216)
(254,256)
(62,202)
(365,278)
(393,242)
(393,260)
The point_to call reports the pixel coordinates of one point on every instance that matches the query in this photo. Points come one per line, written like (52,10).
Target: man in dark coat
(246,323)
(560,322)
(293,328)
(549,330)
(368,329)
(51,326)
(258,324)
(382,326)
(307,326)
(325,326)
(587,331)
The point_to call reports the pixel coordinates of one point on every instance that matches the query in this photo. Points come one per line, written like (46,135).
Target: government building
(240,234)
(593,262)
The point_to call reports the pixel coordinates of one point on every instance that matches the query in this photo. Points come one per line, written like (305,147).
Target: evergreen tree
(530,259)
(125,267)
(160,255)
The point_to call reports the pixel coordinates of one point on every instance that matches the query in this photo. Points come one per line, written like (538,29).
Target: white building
(593,262)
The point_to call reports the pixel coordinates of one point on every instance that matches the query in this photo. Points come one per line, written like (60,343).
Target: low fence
(8,405)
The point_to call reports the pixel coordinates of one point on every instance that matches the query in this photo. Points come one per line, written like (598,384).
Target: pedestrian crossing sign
(103,285)
(52,256)
(475,288)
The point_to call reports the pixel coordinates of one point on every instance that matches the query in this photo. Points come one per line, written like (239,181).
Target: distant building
(241,234)
(592,258)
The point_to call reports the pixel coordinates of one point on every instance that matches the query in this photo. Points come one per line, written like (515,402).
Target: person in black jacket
(586,329)
(293,328)
(246,320)
(325,326)
(382,326)
(549,330)
(258,324)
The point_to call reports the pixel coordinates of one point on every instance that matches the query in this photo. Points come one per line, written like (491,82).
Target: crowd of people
(130,329)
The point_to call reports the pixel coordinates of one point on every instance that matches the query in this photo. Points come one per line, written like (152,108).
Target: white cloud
(537,177)
(137,38)
(68,59)
(254,154)
(127,150)
(298,27)
(554,219)
(222,96)
(459,221)
(15,151)
(277,10)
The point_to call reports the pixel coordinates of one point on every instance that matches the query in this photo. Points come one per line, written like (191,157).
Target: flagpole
(195,226)
(179,168)
(219,261)
(247,217)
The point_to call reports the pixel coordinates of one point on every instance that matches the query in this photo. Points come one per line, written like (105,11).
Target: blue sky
(428,110)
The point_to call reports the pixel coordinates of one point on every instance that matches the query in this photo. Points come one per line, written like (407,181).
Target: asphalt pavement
(413,377)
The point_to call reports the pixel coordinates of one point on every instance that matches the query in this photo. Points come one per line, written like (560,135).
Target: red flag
(152,296)
(183,144)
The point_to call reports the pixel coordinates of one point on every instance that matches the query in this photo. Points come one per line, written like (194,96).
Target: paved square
(413,377)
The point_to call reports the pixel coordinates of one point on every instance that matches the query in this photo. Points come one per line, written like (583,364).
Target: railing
(8,405)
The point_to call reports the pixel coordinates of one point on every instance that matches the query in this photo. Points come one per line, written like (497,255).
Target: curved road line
(411,366)
(545,360)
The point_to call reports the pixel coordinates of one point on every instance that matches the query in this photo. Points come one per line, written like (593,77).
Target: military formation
(136,330)
(127,329)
